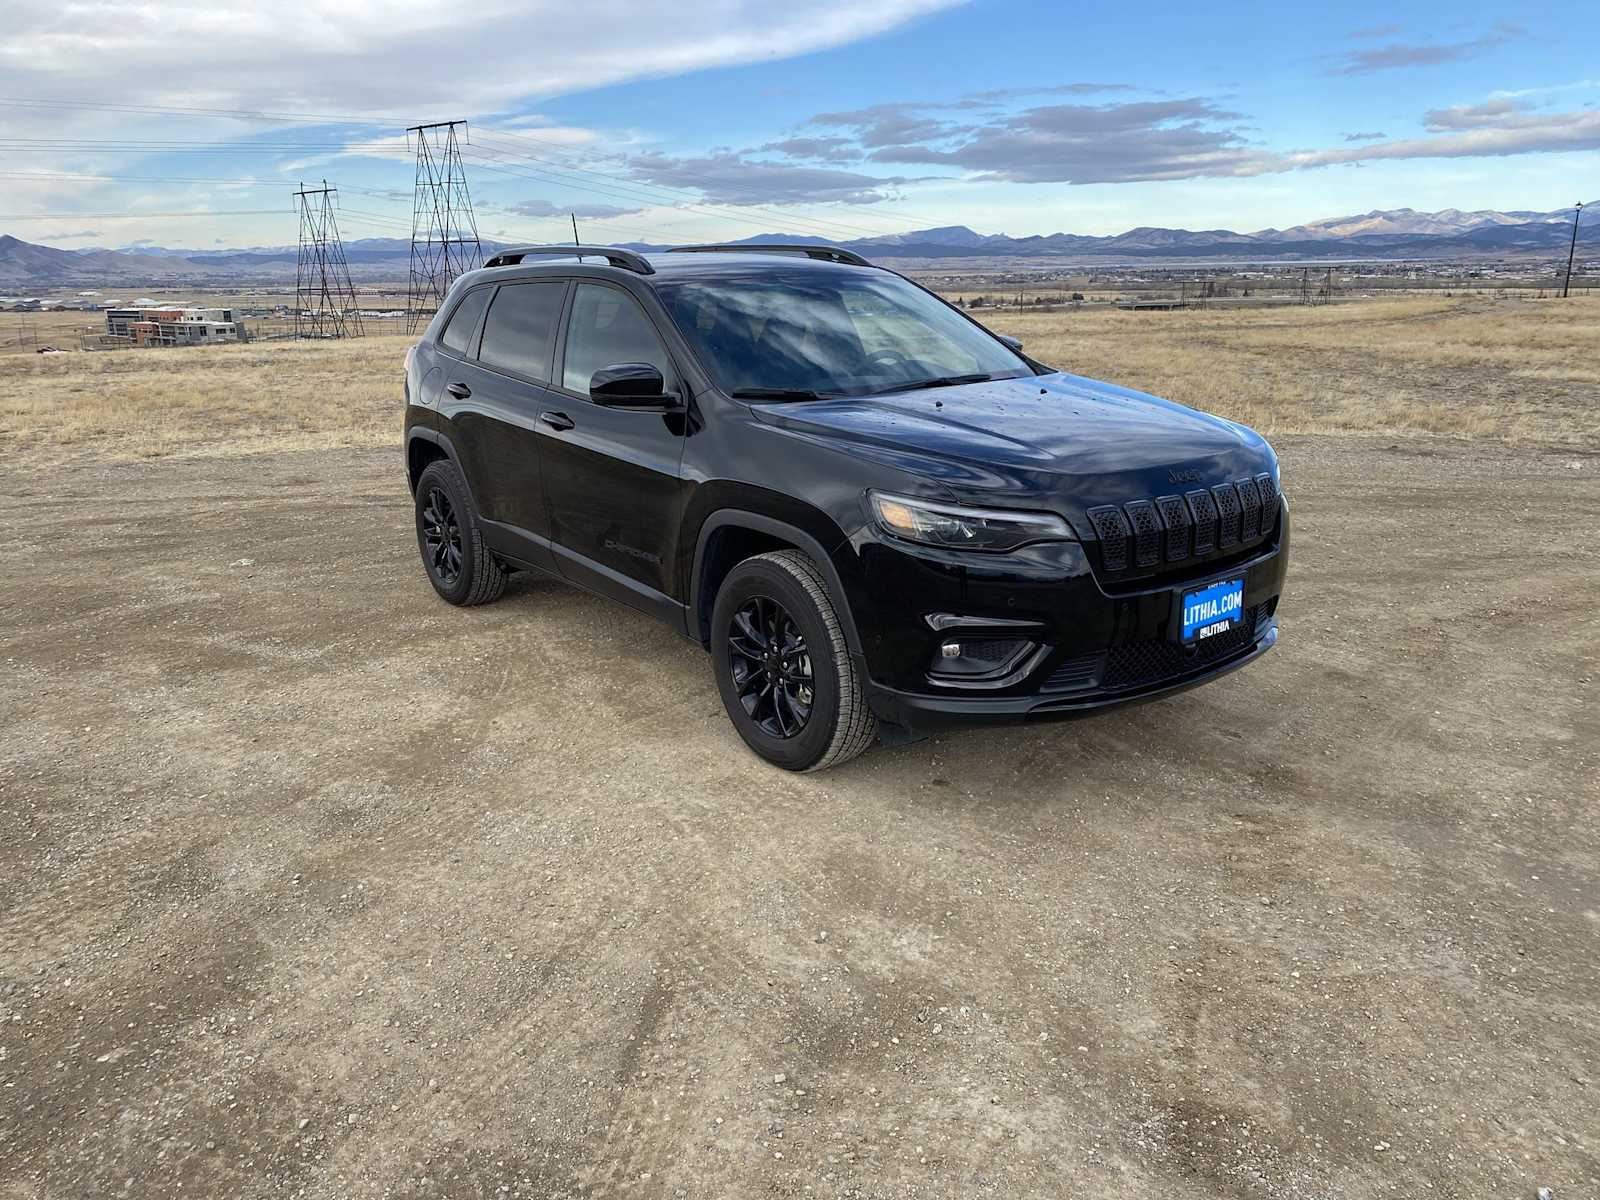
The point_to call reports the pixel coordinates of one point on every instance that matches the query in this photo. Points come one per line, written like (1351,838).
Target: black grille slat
(1112,529)
(1141,664)
(1075,673)
(1228,513)
(1176,518)
(1146,533)
(1145,536)
(1204,511)
(1250,524)
(1269,502)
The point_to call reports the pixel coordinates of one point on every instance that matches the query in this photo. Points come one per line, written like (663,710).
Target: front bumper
(1092,648)
(919,713)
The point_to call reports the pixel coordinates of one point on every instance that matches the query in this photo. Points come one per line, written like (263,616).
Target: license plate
(1213,609)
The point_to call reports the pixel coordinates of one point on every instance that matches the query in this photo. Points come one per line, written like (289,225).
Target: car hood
(1059,441)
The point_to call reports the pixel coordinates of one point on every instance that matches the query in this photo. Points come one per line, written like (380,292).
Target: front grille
(1142,536)
(1139,664)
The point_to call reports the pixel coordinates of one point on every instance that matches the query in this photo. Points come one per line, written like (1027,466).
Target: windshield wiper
(936,381)
(781,393)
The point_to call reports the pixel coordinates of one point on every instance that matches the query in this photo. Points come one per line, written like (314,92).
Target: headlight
(961,528)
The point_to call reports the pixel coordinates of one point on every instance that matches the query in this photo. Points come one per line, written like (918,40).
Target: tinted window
(465,320)
(521,329)
(608,327)
(851,332)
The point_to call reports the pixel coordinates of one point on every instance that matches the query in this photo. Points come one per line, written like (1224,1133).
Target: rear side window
(464,321)
(608,327)
(521,329)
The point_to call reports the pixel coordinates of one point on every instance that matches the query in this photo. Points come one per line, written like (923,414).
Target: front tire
(450,539)
(783,668)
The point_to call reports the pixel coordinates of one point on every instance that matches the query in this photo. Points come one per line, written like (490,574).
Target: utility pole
(1566,284)
(323,293)
(444,233)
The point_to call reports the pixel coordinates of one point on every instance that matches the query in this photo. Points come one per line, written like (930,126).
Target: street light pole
(1566,284)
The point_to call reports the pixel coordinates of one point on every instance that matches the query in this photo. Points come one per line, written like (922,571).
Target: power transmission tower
(444,233)
(324,299)
(1566,284)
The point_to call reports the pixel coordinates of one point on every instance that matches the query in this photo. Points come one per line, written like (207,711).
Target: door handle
(557,420)
(459,390)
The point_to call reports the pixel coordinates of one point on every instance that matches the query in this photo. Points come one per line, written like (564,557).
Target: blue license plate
(1213,609)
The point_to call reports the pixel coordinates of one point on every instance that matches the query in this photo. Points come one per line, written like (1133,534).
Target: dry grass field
(313,886)
(1515,371)
(1508,369)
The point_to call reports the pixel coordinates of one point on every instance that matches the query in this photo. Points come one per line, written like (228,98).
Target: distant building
(173,326)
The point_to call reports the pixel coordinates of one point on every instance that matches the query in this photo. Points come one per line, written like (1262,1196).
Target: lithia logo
(1176,476)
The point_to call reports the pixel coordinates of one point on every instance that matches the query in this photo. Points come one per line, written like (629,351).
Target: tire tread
(856,728)
(489,575)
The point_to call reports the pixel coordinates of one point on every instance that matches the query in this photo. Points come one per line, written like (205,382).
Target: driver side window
(607,327)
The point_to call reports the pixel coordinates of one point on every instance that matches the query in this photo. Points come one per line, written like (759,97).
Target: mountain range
(1392,234)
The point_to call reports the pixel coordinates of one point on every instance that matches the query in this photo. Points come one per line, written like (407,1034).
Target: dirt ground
(313,886)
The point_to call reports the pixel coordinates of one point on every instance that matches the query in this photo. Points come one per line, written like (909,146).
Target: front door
(611,475)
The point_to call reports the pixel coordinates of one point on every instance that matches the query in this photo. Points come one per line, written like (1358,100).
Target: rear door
(506,379)
(444,387)
(612,475)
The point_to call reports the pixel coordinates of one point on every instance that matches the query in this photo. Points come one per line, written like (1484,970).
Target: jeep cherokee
(879,517)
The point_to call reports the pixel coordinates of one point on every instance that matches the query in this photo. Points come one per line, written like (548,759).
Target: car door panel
(612,478)
(495,395)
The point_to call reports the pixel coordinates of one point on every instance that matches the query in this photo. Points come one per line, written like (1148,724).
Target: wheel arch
(427,446)
(727,537)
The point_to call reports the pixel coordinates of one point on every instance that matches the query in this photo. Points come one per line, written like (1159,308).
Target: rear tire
(459,565)
(783,667)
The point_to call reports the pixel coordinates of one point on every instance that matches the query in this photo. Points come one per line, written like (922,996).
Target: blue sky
(734,117)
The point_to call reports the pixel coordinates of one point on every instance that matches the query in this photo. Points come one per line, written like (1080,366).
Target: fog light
(977,658)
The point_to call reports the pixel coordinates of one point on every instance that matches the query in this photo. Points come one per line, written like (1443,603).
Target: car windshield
(804,334)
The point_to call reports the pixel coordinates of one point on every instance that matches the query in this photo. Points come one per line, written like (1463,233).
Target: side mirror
(629,385)
(1014,343)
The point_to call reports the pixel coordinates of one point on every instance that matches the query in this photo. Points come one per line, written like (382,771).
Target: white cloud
(415,59)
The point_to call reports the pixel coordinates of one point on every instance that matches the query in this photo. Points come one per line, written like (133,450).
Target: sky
(189,124)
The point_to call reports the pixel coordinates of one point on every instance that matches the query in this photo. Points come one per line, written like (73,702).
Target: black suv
(879,517)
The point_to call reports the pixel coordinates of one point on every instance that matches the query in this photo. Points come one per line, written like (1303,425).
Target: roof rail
(626,259)
(825,253)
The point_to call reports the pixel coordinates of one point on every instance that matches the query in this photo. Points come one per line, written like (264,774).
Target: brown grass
(1518,371)
(227,399)
(1511,370)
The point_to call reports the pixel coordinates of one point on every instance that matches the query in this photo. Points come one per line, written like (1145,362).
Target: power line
(635,193)
(324,299)
(444,233)
(902,216)
(175,146)
(324,118)
(125,214)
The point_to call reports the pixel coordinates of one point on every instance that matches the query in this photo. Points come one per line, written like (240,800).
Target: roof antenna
(575,239)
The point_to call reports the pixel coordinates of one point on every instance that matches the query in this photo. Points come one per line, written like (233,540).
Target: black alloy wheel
(771,667)
(783,665)
(461,568)
(441,537)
